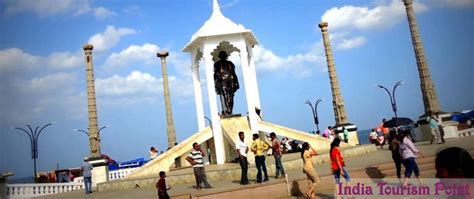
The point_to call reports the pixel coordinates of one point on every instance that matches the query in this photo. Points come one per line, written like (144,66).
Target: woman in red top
(337,163)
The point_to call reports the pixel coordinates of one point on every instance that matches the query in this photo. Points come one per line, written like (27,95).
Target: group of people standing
(330,133)
(337,165)
(404,152)
(259,148)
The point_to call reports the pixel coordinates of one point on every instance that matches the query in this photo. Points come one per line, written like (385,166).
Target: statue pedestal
(100,171)
(3,184)
(450,130)
(352,128)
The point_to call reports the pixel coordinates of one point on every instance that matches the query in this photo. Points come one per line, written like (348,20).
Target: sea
(363,136)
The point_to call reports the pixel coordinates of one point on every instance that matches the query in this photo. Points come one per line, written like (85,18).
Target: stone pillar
(430,99)
(94,137)
(216,125)
(169,114)
(337,101)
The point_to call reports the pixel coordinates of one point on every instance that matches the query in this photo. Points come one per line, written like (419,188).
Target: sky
(42,68)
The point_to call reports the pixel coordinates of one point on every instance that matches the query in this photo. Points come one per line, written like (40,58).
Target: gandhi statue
(226,82)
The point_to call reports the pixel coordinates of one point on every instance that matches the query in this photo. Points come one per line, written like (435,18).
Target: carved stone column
(94,137)
(169,114)
(430,99)
(337,101)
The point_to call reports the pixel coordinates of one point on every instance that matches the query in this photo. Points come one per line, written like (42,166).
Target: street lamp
(315,111)
(34,135)
(87,133)
(208,120)
(392,96)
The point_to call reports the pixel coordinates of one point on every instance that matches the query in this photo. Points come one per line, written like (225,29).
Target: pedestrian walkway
(356,165)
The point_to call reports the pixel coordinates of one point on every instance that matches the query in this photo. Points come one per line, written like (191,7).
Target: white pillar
(216,126)
(248,86)
(253,73)
(197,92)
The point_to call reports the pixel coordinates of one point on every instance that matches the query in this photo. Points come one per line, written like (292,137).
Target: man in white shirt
(242,149)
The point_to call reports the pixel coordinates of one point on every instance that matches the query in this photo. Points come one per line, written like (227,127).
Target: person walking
(337,162)
(393,146)
(259,147)
(195,158)
(242,149)
(162,186)
(307,153)
(87,175)
(440,127)
(435,134)
(276,148)
(345,134)
(407,151)
(380,138)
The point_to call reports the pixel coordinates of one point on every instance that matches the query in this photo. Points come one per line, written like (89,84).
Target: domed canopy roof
(218,24)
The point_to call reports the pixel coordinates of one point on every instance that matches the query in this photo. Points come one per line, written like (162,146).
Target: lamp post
(34,135)
(315,111)
(87,133)
(392,96)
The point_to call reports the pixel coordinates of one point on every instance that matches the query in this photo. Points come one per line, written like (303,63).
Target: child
(162,186)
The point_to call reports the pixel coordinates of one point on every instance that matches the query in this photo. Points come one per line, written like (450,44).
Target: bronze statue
(226,82)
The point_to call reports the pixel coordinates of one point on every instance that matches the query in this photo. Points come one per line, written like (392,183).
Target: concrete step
(229,171)
(421,167)
(418,160)
(429,173)
(164,161)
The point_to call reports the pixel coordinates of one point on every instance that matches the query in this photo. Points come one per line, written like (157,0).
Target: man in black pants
(259,147)
(242,149)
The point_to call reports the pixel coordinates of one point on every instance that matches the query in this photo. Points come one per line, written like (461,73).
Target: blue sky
(42,69)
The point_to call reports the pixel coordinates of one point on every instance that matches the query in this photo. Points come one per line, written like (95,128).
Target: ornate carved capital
(87,47)
(323,26)
(162,54)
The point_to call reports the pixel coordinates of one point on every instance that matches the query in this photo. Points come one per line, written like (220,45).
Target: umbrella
(396,122)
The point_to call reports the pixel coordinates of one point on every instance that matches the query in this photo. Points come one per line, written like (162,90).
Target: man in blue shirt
(87,175)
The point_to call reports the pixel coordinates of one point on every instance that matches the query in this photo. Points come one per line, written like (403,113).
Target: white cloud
(103,13)
(133,55)
(15,60)
(133,84)
(299,65)
(109,38)
(63,60)
(54,95)
(345,41)
(56,82)
(363,18)
(46,8)
(138,87)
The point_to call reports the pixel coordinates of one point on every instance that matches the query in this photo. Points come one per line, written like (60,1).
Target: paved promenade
(354,164)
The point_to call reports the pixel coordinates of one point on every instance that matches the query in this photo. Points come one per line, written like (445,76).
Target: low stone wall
(228,174)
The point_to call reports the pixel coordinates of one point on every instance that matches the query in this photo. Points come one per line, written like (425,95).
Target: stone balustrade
(40,189)
(119,174)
